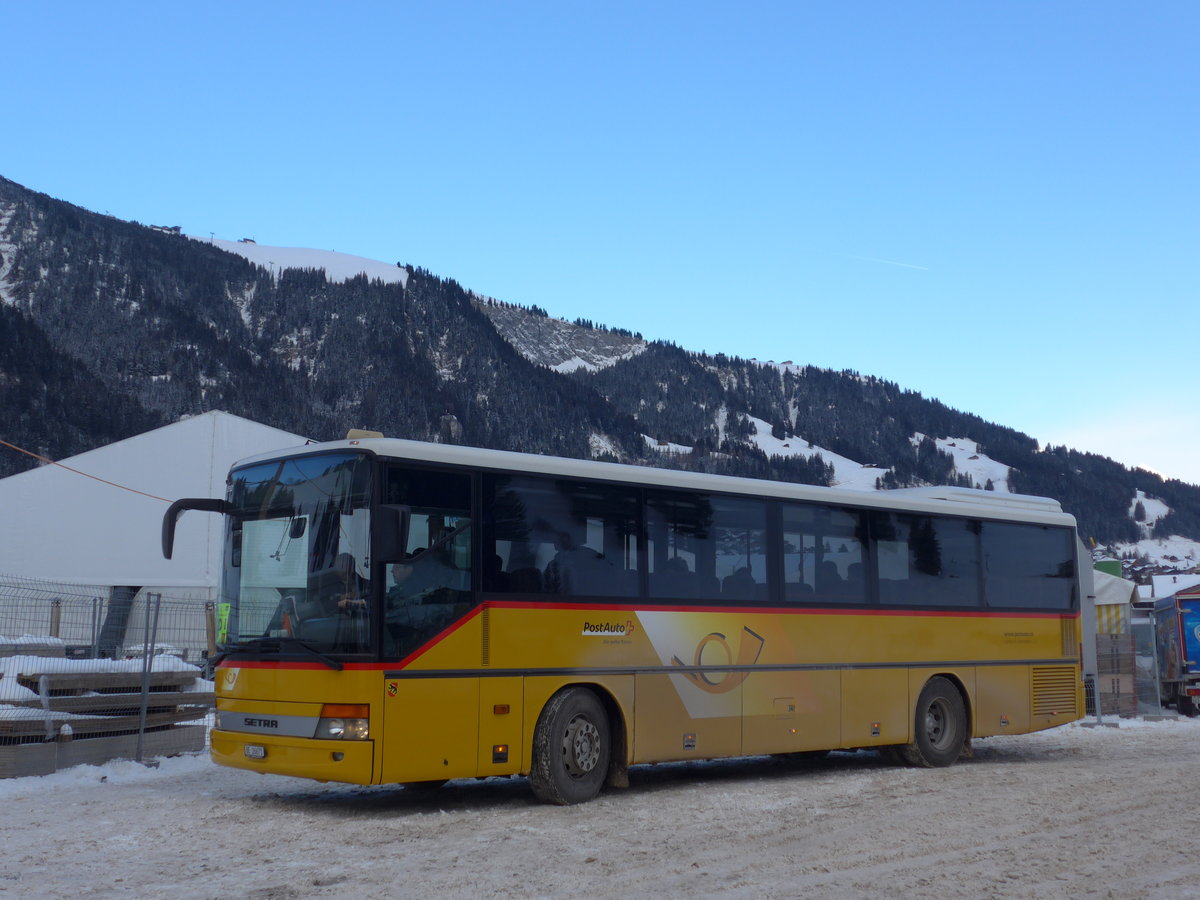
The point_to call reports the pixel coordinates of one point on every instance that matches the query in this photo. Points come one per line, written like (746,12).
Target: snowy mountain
(558,345)
(336,266)
(108,328)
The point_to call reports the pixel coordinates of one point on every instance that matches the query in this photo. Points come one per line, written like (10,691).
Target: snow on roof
(1111,590)
(1166,585)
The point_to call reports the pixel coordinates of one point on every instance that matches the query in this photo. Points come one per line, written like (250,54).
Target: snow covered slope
(337,266)
(968,460)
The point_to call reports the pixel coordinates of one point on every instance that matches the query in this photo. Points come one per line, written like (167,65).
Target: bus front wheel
(939,727)
(571,748)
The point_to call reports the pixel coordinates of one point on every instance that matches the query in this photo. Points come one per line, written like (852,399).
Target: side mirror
(204,504)
(390,534)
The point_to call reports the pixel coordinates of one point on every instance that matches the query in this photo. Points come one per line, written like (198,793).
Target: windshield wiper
(282,646)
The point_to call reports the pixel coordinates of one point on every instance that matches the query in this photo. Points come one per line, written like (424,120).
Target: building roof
(105,529)
(1166,585)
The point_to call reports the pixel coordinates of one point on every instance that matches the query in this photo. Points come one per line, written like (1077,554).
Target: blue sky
(995,204)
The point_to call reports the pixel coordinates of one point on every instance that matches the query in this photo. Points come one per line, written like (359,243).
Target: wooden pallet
(122,703)
(50,648)
(69,683)
(1115,654)
(90,717)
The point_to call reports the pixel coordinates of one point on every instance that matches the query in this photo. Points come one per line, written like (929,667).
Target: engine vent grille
(1054,690)
(1070,637)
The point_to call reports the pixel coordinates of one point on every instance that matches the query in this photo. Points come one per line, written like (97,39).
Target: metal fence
(94,622)
(93,673)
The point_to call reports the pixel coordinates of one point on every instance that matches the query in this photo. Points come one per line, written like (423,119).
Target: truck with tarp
(1177,635)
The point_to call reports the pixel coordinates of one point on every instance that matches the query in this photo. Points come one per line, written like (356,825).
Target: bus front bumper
(351,762)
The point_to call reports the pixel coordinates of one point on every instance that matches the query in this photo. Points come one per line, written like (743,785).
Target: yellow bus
(401,612)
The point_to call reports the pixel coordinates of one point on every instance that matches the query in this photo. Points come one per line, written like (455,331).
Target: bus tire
(1168,698)
(892,755)
(939,726)
(1186,705)
(572,746)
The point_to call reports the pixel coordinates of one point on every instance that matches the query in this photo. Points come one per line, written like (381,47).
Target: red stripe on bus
(438,638)
(361,667)
(792,611)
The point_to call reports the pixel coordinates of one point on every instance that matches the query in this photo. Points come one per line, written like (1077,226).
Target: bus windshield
(297,565)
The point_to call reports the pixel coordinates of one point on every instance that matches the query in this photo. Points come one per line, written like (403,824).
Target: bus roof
(944,500)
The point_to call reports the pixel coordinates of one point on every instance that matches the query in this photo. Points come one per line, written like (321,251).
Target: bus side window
(560,537)
(927,560)
(681,550)
(436,567)
(706,547)
(824,560)
(1028,566)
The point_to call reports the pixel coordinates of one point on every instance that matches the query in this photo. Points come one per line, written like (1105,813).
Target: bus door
(431,721)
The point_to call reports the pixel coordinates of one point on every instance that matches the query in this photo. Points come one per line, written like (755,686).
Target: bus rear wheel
(571,748)
(1186,704)
(939,727)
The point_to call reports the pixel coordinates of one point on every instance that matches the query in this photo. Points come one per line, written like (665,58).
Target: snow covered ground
(1071,812)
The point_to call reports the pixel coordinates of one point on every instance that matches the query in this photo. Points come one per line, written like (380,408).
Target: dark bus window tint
(431,586)
(702,547)
(560,537)
(680,547)
(740,527)
(927,560)
(823,555)
(1028,566)
(416,487)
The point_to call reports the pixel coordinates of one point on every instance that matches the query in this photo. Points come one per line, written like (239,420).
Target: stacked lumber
(33,647)
(56,713)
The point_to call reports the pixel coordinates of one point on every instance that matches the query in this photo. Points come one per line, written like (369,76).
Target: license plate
(256,751)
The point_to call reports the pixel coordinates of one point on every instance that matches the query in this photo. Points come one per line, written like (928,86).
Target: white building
(95,519)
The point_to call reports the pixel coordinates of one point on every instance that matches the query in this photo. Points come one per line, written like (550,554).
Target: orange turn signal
(345,711)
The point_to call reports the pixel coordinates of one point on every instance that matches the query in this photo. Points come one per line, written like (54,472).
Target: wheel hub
(581,746)
(935,725)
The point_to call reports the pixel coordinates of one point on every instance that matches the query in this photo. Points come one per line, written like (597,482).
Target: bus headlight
(344,722)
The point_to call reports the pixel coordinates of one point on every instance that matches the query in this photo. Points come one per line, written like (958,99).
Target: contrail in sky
(888,262)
